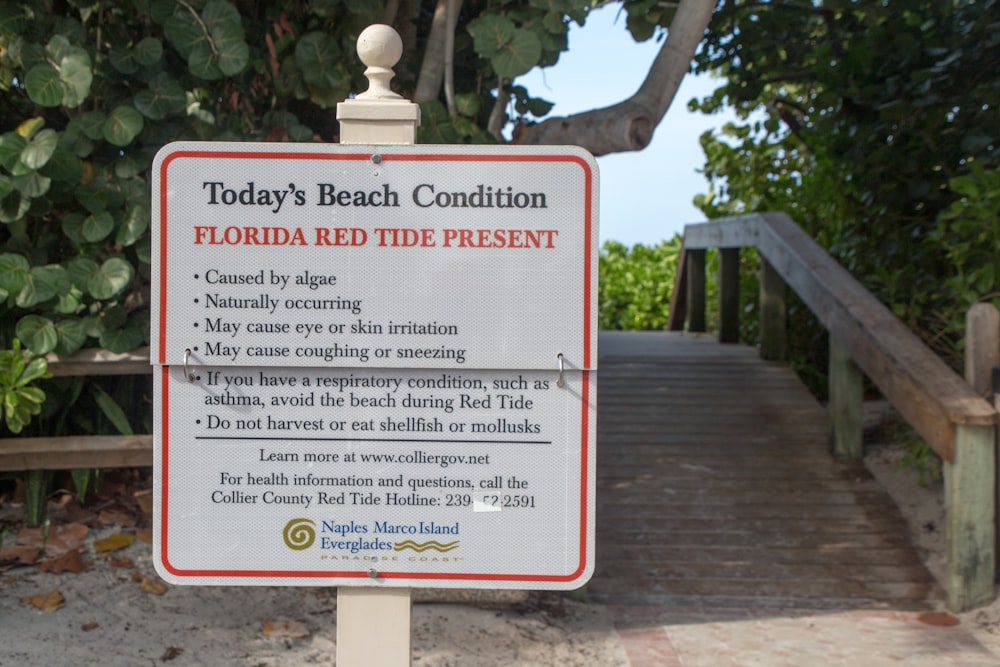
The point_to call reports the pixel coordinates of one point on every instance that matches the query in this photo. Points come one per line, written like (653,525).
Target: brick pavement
(660,636)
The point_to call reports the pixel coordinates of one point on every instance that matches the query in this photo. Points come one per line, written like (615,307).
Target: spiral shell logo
(299,534)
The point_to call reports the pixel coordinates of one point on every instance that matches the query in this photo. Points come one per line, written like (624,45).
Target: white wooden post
(373,622)
(378,115)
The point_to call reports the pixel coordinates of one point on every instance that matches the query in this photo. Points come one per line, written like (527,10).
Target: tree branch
(390,11)
(498,115)
(452,8)
(629,125)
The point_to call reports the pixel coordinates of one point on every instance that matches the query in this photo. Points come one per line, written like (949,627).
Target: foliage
(918,456)
(865,121)
(968,233)
(635,284)
(21,400)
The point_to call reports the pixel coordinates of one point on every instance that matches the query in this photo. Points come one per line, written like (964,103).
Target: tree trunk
(432,67)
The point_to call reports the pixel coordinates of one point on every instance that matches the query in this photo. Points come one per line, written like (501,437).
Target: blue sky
(646,195)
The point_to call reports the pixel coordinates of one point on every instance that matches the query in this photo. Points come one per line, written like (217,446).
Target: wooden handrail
(925,390)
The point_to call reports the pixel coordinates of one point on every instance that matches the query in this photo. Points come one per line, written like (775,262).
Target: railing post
(982,357)
(373,624)
(696,290)
(969,502)
(970,480)
(378,115)
(729,295)
(773,314)
(995,377)
(846,396)
(982,346)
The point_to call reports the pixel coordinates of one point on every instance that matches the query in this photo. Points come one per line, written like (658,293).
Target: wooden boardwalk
(716,487)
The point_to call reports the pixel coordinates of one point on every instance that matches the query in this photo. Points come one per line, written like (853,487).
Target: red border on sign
(588,351)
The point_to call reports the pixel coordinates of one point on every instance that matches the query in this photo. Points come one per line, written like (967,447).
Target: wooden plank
(808,488)
(750,511)
(817,542)
(67,452)
(898,592)
(609,554)
(668,524)
(762,495)
(763,571)
(744,467)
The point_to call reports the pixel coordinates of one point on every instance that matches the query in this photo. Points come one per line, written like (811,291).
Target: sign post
(377,116)
(376,365)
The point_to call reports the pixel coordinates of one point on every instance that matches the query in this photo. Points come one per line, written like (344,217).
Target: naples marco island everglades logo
(299,534)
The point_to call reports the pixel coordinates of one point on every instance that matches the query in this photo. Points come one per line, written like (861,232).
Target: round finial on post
(380,48)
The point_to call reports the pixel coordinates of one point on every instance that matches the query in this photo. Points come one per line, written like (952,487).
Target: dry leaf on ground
(940,618)
(24,555)
(154,586)
(145,535)
(114,542)
(47,602)
(71,561)
(144,499)
(285,628)
(171,653)
(121,562)
(115,516)
(58,541)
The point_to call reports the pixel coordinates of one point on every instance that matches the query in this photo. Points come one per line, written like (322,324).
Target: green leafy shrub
(635,284)
(968,233)
(21,400)
(877,136)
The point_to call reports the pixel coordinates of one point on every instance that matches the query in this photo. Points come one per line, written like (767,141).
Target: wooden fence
(865,337)
(93,451)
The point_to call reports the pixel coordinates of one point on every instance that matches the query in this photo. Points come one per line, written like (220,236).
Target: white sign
(381,386)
